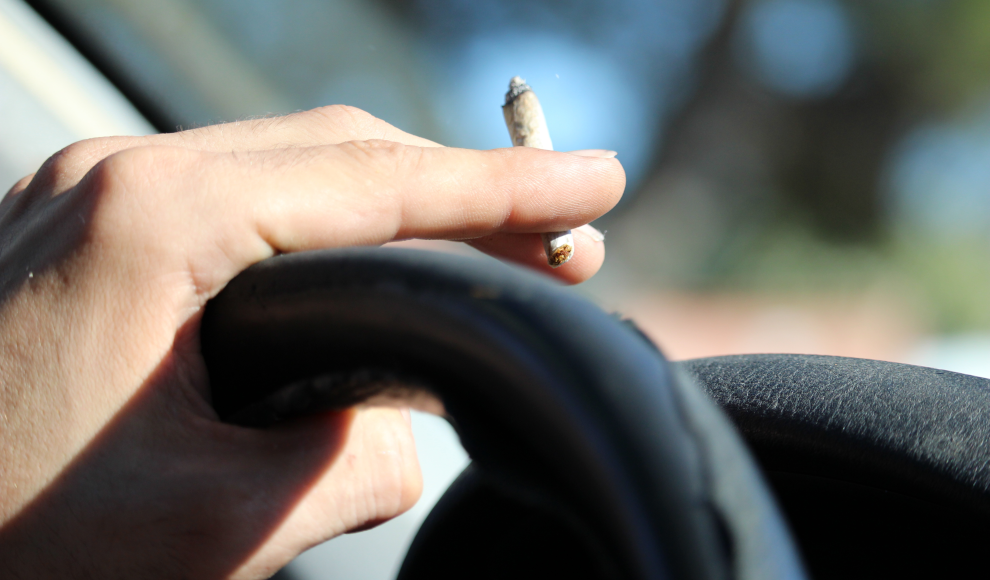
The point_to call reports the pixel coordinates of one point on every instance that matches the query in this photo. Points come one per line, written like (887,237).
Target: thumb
(328,474)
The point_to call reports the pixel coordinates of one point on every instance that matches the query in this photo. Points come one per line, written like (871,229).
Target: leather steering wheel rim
(919,431)
(882,468)
(549,396)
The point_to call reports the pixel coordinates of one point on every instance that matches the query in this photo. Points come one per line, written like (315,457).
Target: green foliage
(939,50)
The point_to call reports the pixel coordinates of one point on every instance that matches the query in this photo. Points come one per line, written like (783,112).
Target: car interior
(568,441)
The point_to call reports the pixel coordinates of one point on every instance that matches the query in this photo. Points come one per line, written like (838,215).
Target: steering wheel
(883,469)
(572,418)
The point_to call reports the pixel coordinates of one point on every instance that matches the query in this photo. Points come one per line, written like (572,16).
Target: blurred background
(805,176)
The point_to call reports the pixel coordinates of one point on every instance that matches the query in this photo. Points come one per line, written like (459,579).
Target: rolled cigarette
(528,128)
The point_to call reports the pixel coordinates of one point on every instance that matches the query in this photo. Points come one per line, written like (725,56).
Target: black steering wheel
(616,463)
(883,469)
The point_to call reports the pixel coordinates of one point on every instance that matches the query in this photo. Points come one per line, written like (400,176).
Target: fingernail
(592,232)
(601,153)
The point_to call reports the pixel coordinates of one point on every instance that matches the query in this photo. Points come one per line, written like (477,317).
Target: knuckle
(127,166)
(79,157)
(20,185)
(346,120)
(126,187)
(344,114)
(381,169)
(383,158)
(62,172)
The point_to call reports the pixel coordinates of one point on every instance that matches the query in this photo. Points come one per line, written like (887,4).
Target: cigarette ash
(517,86)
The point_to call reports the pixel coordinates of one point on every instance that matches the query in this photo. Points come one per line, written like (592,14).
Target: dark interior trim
(103,62)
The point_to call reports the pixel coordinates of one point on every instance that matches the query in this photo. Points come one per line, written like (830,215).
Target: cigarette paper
(528,128)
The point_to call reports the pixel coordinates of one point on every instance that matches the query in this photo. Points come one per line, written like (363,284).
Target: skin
(112,462)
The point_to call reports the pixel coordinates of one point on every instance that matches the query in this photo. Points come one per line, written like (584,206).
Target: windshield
(804,175)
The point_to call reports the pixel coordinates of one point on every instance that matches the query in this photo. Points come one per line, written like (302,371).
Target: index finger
(219,214)
(329,125)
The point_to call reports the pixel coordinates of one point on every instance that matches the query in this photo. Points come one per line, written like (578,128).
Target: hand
(112,462)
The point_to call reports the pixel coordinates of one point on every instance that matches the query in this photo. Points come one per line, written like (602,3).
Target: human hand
(112,461)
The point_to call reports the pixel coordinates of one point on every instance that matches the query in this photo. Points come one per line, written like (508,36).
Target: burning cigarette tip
(560,255)
(559,247)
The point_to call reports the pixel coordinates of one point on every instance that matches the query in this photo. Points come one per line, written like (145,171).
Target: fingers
(374,476)
(8,200)
(329,125)
(19,185)
(375,192)
(224,212)
(527,250)
(390,191)
(321,126)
